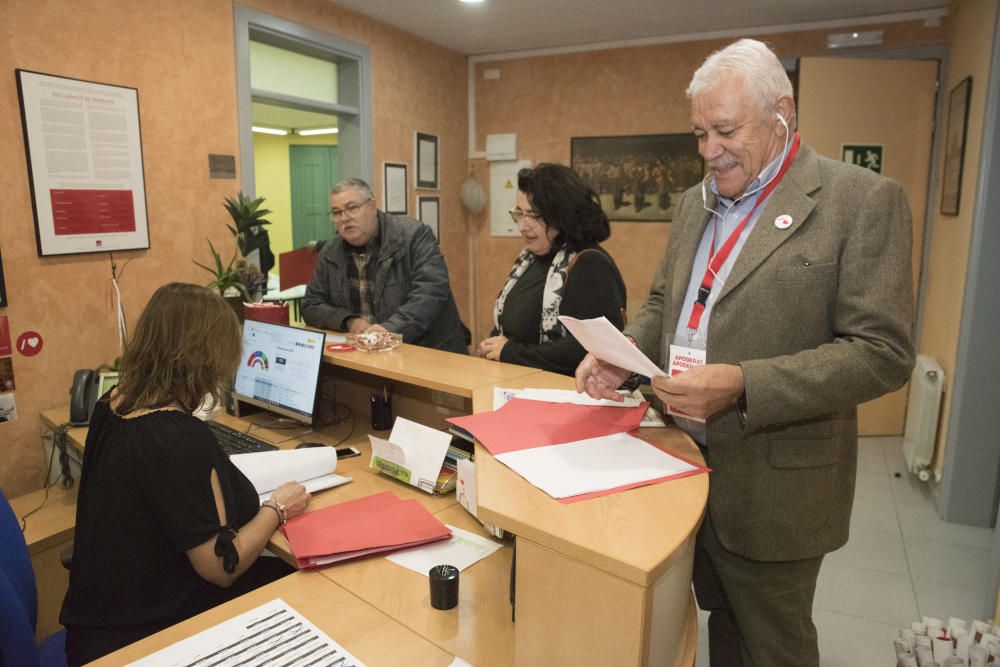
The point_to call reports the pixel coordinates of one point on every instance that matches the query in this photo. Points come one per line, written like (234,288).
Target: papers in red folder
(375,524)
(522,424)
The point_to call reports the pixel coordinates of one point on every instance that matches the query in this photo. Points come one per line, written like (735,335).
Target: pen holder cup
(444,586)
(381,411)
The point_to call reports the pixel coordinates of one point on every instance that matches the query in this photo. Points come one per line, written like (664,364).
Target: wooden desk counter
(456,374)
(611,576)
(370,635)
(48,531)
(479,630)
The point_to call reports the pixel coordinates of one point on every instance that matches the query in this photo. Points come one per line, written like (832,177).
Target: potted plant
(227,280)
(248,228)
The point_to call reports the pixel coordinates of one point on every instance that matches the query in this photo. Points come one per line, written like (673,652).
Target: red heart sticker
(29,343)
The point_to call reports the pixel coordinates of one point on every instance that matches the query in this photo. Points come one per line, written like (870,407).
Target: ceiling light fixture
(471,2)
(317,130)
(841,40)
(269,130)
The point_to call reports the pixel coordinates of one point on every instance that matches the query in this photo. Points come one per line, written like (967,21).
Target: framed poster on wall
(394,187)
(954,147)
(3,286)
(429,213)
(641,177)
(427,160)
(84,154)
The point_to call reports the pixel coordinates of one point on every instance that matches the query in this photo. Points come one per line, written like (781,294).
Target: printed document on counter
(273,633)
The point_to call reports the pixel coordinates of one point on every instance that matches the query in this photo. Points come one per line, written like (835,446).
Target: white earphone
(781,119)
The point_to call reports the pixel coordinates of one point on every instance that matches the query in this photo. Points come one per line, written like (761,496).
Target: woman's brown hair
(186,346)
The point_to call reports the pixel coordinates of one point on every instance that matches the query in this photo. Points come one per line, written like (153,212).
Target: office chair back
(296,267)
(19,601)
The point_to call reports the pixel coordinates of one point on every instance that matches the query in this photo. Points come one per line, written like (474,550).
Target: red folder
(525,424)
(374,524)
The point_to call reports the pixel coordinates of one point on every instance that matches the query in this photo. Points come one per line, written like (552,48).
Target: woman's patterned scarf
(550,328)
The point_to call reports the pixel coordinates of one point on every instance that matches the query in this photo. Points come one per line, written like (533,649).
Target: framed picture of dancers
(638,178)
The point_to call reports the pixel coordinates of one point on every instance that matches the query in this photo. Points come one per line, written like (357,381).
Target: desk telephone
(88,386)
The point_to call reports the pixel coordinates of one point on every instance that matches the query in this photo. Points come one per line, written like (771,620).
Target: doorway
(313,169)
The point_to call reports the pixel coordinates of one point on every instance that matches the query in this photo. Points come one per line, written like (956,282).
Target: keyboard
(237,442)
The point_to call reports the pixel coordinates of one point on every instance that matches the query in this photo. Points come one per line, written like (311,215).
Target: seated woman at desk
(166,525)
(561,271)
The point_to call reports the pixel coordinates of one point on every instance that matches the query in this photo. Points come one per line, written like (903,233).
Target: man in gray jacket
(786,294)
(383,273)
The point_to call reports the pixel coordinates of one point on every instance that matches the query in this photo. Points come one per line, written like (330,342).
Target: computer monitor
(279,369)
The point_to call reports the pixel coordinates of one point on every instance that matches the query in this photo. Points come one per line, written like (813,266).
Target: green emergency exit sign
(869,156)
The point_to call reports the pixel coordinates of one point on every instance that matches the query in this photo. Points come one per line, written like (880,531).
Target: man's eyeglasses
(350,210)
(532,216)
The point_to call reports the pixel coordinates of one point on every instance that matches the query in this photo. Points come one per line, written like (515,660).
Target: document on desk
(611,462)
(651,419)
(599,337)
(523,424)
(413,453)
(462,550)
(313,468)
(273,633)
(361,527)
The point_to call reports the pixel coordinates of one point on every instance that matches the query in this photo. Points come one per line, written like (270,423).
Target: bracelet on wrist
(278,508)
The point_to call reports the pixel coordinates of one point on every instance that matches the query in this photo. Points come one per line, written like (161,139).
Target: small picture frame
(429,213)
(394,188)
(954,147)
(426,160)
(3,286)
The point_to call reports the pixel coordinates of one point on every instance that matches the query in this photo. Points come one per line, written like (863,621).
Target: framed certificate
(394,187)
(427,161)
(84,154)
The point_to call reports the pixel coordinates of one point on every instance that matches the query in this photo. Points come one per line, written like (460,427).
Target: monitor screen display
(280,368)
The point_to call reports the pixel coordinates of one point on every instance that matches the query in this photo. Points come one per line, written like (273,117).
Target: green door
(314,170)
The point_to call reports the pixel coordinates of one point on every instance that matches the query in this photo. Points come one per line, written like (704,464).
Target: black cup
(381,410)
(444,586)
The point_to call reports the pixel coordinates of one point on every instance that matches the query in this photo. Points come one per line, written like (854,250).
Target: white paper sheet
(416,448)
(462,550)
(595,464)
(269,470)
(258,637)
(599,337)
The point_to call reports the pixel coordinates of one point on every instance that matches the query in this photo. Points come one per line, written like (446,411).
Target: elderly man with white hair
(783,301)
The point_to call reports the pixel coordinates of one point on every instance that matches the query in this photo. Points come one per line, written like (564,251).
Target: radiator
(922,412)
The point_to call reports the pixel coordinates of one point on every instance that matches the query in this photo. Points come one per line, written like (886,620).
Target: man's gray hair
(352,182)
(762,73)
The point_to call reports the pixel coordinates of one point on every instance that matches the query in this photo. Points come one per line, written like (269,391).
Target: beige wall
(547,100)
(971,37)
(180,55)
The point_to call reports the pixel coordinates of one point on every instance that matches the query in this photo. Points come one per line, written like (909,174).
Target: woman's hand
(294,497)
(491,347)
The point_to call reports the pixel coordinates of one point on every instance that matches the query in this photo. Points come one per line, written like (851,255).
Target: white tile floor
(901,562)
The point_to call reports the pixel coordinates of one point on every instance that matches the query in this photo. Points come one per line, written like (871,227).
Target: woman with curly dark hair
(562,270)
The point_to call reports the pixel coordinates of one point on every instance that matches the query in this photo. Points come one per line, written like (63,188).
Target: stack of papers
(370,525)
(574,452)
(312,467)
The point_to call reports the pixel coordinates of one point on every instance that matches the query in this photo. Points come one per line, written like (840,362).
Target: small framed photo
(427,161)
(429,213)
(3,286)
(954,147)
(394,187)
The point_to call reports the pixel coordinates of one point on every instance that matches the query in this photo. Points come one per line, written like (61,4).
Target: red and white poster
(84,155)
(5,349)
